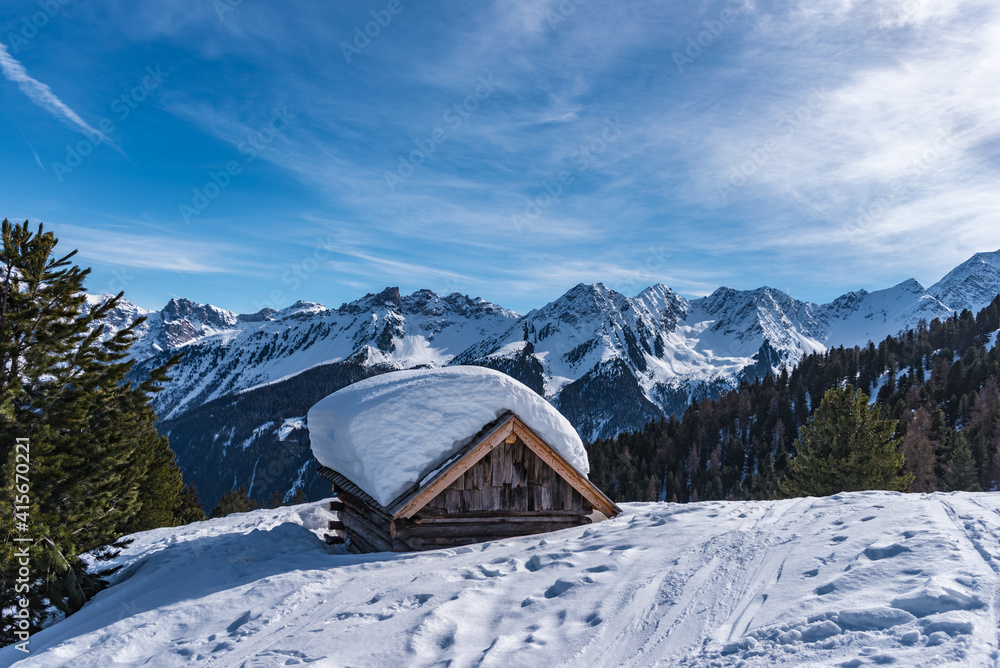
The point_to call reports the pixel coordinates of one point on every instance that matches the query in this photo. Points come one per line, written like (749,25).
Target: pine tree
(920,452)
(276,500)
(846,446)
(190,509)
(234,501)
(960,467)
(984,432)
(94,450)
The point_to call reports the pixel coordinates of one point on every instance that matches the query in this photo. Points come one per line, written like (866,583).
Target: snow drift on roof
(388,432)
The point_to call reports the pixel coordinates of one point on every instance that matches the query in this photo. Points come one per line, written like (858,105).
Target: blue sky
(250,154)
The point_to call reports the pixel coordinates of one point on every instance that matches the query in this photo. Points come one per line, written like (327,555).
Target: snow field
(861,579)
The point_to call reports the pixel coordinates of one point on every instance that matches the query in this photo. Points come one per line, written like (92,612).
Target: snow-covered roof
(391,431)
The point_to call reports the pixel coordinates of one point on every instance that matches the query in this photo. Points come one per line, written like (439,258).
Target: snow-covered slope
(972,285)
(860,579)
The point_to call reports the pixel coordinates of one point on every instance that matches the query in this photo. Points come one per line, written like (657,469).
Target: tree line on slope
(82,462)
(937,384)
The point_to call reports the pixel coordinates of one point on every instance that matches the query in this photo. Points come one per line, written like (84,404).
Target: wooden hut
(506,481)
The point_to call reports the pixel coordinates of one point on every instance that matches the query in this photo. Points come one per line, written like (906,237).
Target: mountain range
(609,362)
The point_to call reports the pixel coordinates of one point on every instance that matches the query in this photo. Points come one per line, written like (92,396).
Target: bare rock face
(183,321)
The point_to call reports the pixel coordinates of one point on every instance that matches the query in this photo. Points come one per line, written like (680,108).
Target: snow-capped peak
(992,259)
(300,309)
(972,285)
(593,351)
(180,308)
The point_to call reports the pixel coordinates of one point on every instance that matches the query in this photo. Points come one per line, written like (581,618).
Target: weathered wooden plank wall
(511,479)
(509,492)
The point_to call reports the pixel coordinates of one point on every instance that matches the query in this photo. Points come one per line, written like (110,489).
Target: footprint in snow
(480,572)
(558,588)
(603,568)
(825,589)
(538,562)
(415,601)
(235,626)
(408,603)
(293,657)
(363,617)
(880,551)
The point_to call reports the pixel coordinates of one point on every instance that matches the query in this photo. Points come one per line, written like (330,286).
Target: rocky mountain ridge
(608,361)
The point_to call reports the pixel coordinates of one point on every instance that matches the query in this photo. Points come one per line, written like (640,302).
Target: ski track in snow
(862,579)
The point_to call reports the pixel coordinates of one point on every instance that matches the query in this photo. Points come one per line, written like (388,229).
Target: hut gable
(508,480)
(510,470)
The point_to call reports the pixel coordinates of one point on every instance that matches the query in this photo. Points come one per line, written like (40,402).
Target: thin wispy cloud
(42,95)
(868,133)
(146,250)
(38,160)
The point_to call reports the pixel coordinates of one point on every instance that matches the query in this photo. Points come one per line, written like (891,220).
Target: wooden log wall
(509,492)
(423,535)
(509,480)
(369,529)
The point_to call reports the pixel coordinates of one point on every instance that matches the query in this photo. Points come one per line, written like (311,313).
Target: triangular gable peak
(507,431)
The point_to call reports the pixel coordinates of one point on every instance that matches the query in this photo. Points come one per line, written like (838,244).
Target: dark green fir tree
(846,446)
(960,473)
(234,501)
(94,467)
(190,509)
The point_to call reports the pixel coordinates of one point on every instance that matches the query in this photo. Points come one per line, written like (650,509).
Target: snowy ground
(852,580)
